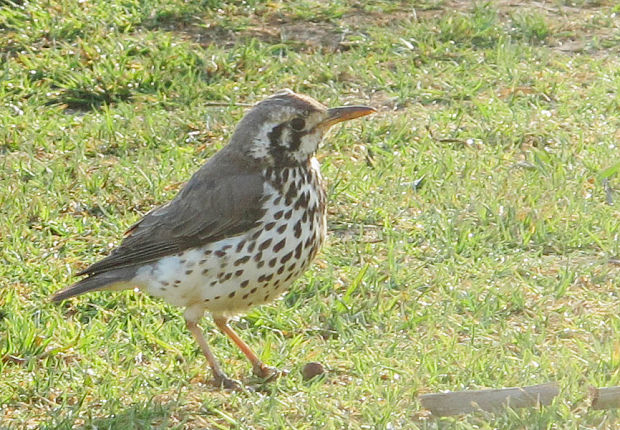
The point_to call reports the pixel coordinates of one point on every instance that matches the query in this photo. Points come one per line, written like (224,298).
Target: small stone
(312,369)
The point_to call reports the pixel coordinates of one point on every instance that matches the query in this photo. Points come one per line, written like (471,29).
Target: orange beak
(345,113)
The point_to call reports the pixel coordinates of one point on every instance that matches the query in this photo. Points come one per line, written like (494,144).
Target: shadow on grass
(139,416)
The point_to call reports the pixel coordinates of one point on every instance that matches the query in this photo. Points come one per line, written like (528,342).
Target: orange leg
(260,369)
(220,378)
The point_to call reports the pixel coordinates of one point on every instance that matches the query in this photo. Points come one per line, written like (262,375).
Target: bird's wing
(222,199)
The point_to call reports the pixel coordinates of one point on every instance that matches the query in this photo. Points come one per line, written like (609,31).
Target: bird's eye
(298,124)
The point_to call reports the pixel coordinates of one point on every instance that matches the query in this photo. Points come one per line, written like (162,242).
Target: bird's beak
(345,113)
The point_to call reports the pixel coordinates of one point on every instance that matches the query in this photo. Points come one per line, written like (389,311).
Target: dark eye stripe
(296,139)
(275,135)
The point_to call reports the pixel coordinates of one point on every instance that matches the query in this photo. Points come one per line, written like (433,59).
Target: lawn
(474,221)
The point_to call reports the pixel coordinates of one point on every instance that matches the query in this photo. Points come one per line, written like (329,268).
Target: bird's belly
(231,275)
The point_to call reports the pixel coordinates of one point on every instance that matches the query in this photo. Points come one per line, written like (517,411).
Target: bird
(244,227)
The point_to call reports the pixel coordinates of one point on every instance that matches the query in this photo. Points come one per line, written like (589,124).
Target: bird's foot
(223,381)
(268,373)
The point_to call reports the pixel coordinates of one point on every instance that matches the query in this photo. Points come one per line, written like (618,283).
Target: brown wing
(224,198)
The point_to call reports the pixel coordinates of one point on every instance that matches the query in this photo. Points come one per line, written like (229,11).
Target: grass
(474,222)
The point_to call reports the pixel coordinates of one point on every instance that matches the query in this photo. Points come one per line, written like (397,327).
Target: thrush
(245,226)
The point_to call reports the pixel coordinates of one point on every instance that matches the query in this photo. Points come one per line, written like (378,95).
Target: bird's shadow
(152,414)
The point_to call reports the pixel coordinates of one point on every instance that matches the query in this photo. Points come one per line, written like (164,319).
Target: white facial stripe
(309,145)
(260,147)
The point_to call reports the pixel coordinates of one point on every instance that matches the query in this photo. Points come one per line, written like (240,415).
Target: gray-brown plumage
(245,226)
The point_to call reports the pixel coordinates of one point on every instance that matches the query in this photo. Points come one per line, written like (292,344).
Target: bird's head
(286,128)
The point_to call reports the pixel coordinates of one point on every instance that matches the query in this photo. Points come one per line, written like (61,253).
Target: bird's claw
(222,381)
(268,373)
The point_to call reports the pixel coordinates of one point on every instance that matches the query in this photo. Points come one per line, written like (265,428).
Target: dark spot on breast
(288,214)
(207,300)
(163,288)
(225,247)
(220,253)
(281,229)
(304,217)
(286,258)
(258,256)
(177,281)
(269,225)
(266,297)
(280,270)
(253,290)
(189,272)
(302,201)
(238,273)
(183,261)
(298,250)
(260,264)
(292,267)
(208,252)
(227,276)
(278,214)
(273,262)
(244,283)
(216,297)
(278,246)
(285,173)
(291,193)
(241,260)
(264,245)
(231,295)
(245,296)
(251,246)
(240,245)
(165,283)
(256,234)
(297,229)
(277,200)
(202,262)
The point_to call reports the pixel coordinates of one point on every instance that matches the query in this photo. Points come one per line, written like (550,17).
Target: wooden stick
(227,104)
(462,402)
(605,398)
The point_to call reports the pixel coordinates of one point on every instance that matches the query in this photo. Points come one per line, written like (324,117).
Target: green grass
(473,221)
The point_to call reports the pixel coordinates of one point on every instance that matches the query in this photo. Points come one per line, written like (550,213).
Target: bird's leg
(219,377)
(259,368)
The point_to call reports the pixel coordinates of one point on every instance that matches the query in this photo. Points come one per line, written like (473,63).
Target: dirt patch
(571,29)
(278,27)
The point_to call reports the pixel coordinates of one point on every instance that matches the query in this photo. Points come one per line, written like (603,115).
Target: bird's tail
(113,280)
